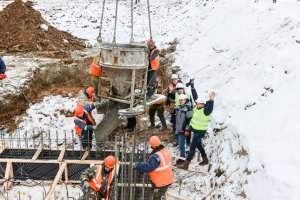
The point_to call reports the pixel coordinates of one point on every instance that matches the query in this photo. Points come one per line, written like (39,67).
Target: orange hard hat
(79,110)
(90,91)
(154,141)
(109,162)
(150,42)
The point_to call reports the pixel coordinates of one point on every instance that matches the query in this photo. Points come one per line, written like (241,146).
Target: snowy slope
(253,70)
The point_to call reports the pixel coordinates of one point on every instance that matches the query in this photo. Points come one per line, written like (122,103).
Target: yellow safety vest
(188,96)
(199,120)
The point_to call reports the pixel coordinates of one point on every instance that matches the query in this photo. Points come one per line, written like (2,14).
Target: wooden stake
(37,153)
(56,179)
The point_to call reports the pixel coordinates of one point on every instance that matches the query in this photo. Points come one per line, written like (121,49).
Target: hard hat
(154,141)
(174,76)
(90,91)
(79,110)
(109,162)
(179,86)
(149,42)
(182,97)
(200,100)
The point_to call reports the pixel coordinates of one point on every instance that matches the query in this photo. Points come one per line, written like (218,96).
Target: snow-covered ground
(246,52)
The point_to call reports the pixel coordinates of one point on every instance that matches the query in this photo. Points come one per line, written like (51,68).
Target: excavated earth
(65,76)
(23,29)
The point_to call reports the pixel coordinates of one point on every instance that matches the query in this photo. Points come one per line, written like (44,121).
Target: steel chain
(116,17)
(131,39)
(99,38)
(149,19)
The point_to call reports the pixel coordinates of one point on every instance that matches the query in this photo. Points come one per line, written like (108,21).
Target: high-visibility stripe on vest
(188,96)
(78,130)
(199,120)
(96,182)
(162,175)
(154,63)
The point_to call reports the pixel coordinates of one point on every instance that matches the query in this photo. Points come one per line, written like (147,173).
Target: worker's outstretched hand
(85,186)
(212,95)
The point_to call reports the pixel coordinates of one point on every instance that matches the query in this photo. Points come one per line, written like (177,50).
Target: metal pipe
(132,89)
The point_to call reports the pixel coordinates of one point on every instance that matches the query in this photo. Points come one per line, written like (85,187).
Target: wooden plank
(61,155)
(8,175)
(56,179)
(85,155)
(37,153)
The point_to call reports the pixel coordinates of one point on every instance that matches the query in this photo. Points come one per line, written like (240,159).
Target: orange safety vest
(163,175)
(95,70)
(78,130)
(162,101)
(154,63)
(96,182)
(2,76)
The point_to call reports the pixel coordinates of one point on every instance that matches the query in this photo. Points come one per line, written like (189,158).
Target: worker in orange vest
(2,69)
(159,168)
(95,71)
(152,68)
(96,180)
(85,124)
(87,96)
(158,107)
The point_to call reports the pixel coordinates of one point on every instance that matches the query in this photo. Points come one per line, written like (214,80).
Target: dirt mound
(24,29)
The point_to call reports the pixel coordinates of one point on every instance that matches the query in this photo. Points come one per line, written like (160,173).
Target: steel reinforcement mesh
(18,153)
(2,170)
(35,171)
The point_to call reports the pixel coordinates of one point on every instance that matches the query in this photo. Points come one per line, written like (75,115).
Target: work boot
(151,126)
(179,161)
(184,165)
(204,161)
(163,128)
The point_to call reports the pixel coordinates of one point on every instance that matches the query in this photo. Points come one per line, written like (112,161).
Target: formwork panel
(2,170)
(36,171)
(18,153)
(49,154)
(75,170)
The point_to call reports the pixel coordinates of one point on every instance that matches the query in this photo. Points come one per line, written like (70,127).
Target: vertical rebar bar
(42,140)
(73,143)
(56,132)
(49,139)
(144,160)
(65,140)
(117,159)
(122,171)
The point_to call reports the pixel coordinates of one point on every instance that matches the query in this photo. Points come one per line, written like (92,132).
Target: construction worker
(95,72)
(152,68)
(170,102)
(85,124)
(97,180)
(2,69)
(87,96)
(158,167)
(184,114)
(198,125)
(160,109)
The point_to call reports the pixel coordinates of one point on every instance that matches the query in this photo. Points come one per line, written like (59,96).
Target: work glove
(186,133)
(97,104)
(103,191)
(94,127)
(172,106)
(85,186)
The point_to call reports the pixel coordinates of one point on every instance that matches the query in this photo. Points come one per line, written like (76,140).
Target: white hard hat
(179,85)
(174,76)
(200,100)
(182,96)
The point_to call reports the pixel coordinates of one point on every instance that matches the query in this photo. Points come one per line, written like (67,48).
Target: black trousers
(151,79)
(158,193)
(86,139)
(160,113)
